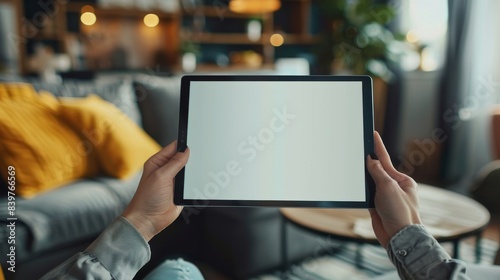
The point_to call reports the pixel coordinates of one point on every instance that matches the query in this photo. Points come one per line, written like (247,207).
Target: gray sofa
(237,242)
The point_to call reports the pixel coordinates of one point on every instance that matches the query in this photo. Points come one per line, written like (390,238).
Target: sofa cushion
(118,92)
(242,214)
(78,211)
(44,151)
(246,241)
(121,146)
(158,100)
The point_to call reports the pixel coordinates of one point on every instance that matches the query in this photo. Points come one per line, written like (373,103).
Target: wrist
(395,227)
(144,226)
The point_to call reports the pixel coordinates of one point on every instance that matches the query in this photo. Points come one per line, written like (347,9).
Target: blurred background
(435,63)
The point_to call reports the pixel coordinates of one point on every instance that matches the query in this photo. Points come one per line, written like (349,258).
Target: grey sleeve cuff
(121,249)
(416,253)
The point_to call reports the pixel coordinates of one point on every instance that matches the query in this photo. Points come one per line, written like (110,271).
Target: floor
(492,232)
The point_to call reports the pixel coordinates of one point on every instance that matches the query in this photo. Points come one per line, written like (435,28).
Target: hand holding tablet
(276,141)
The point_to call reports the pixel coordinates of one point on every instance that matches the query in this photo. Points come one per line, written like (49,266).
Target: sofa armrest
(76,212)
(245,242)
(486,189)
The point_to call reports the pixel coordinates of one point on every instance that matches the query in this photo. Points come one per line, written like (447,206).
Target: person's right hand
(396,200)
(152,208)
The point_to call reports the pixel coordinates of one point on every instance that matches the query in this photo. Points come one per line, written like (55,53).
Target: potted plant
(190,52)
(359,42)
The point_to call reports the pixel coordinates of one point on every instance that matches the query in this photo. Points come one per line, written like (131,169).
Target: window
(424,22)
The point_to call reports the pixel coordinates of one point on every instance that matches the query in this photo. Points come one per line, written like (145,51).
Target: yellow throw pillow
(44,151)
(17,91)
(120,145)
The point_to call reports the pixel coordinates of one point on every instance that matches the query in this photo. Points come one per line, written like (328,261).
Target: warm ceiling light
(88,18)
(277,39)
(254,6)
(151,20)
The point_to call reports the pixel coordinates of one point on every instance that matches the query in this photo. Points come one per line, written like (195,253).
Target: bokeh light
(88,18)
(412,36)
(151,20)
(276,39)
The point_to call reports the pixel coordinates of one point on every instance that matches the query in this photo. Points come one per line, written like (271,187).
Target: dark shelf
(222,12)
(225,38)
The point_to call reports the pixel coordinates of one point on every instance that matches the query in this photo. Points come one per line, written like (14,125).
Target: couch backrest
(158,99)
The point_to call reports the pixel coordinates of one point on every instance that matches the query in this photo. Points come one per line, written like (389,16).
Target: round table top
(446,214)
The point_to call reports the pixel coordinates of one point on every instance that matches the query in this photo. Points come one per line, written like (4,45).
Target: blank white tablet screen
(275,140)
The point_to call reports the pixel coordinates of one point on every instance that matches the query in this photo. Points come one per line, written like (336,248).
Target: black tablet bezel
(368,142)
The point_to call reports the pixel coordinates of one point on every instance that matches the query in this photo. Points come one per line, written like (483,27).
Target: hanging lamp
(254,6)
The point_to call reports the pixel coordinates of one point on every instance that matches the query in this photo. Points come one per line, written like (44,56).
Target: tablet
(284,141)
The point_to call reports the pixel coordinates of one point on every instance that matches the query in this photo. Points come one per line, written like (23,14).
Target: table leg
(478,247)
(359,255)
(456,248)
(284,244)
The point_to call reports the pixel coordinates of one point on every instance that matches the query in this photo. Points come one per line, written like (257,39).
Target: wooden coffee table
(448,216)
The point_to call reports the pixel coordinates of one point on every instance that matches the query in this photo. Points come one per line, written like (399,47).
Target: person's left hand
(152,208)
(396,199)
